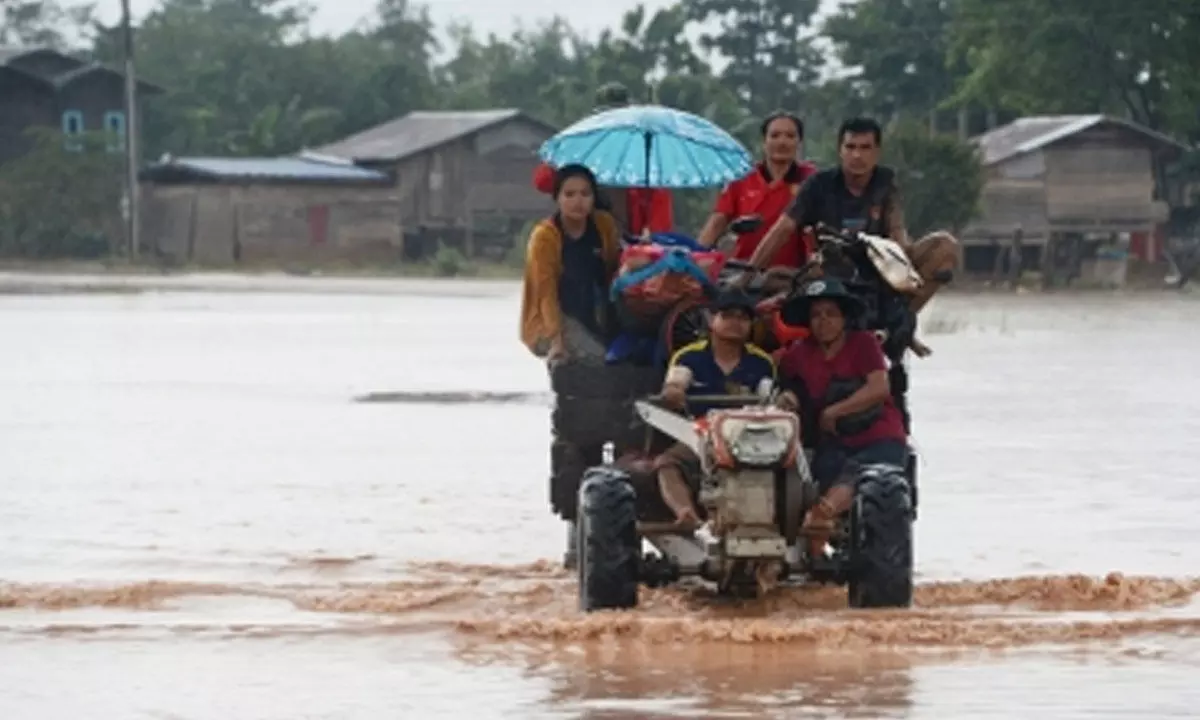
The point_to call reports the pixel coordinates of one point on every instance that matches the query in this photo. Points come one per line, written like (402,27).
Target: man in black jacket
(862,195)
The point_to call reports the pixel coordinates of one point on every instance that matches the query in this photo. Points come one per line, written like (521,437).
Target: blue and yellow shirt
(709,379)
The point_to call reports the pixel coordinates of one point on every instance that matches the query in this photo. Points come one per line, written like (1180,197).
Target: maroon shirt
(860,356)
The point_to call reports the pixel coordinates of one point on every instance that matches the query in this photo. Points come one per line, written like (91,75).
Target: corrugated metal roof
(85,70)
(254,168)
(1034,133)
(81,69)
(414,133)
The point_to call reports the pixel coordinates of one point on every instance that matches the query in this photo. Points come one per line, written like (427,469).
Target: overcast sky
(499,16)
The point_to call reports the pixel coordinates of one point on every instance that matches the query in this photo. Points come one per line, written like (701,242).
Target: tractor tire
(881,573)
(568,462)
(911,472)
(609,545)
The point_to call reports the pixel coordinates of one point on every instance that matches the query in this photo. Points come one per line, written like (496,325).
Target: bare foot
(688,521)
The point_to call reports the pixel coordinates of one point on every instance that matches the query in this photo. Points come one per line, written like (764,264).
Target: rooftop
(417,132)
(1036,132)
(68,69)
(280,170)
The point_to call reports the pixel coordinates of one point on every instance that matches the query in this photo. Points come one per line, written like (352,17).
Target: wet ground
(220,505)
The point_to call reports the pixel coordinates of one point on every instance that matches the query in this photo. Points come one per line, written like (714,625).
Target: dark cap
(797,310)
(735,299)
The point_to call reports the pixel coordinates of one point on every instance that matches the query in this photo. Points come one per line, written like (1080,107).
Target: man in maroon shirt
(838,379)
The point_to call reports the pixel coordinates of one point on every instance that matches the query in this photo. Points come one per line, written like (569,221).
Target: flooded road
(213,507)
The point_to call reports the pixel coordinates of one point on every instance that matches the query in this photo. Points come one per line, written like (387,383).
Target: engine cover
(741,498)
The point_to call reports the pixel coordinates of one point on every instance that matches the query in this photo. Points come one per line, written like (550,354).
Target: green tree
(61,202)
(941,178)
(767,46)
(221,62)
(393,58)
(541,70)
(899,51)
(248,77)
(1084,56)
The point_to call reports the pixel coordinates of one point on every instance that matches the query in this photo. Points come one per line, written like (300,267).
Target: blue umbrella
(650,146)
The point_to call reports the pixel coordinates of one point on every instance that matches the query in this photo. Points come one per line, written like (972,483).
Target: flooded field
(215,504)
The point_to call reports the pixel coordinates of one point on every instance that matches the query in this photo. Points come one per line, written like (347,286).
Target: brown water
(202,518)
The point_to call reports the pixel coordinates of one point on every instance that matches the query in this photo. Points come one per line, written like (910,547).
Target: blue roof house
(306,209)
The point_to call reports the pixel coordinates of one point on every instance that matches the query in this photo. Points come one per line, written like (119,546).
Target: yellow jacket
(541,317)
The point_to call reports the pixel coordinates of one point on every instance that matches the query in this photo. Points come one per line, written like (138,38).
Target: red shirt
(756,194)
(860,356)
(654,206)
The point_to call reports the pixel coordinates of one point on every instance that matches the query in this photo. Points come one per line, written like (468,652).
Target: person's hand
(557,353)
(829,418)
(741,281)
(674,396)
(788,401)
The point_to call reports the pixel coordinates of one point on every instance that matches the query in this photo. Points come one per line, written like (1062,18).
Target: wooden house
(227,211)
(41,87)
(464,178)
(1076,178)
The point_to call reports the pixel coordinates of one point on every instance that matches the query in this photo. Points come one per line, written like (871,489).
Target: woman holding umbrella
(766,191)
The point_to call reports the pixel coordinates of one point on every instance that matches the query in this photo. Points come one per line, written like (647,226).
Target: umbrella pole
(646,194)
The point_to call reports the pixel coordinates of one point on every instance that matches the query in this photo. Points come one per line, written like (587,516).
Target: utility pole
(133,195)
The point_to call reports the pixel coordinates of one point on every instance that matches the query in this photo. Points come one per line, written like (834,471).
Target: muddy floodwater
(221,504)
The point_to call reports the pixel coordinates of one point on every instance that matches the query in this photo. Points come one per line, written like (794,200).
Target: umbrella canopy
(650,146)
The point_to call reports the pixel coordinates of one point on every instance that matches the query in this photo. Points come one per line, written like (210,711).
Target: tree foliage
(61,202)
(1070,56)
(251,77)
(899,49)
(941,177)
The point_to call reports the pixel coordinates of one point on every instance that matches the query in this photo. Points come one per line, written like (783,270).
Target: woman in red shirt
(767,191)
(838,378)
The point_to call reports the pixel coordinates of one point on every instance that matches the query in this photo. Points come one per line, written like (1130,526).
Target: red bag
(657,294)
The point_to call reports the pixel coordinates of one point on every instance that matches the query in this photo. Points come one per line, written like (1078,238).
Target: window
(114,126)
(72,125)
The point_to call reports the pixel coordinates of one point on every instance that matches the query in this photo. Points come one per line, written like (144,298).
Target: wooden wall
(224,224)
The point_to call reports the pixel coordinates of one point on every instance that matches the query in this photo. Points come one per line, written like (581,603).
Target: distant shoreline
(79,280)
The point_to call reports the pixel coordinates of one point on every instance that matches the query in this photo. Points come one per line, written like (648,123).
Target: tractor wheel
(881,573)
(685,324)
(609,544)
